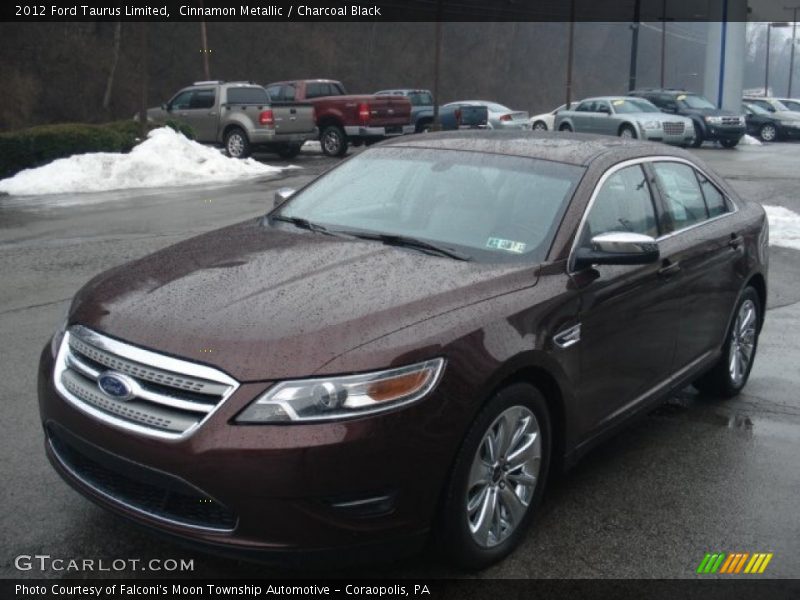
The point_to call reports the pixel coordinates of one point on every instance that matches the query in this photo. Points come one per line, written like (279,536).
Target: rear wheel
(333,141)
(729,143)
(727,378)
(627,132)
(236,143)
(768,132)
(289,150)
(498,479)
(698,138)
(540,126)
(565,127)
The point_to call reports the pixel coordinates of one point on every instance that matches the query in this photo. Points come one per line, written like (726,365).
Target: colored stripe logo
(734,563)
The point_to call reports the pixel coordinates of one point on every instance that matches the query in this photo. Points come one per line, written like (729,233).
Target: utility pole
(204,41)
(634,44)
(770,26)
(794,10)
(663,38)
(570,51)
(437,59)
(144,78)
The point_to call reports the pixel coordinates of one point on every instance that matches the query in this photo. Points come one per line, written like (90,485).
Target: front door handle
(669,268)
(736,241)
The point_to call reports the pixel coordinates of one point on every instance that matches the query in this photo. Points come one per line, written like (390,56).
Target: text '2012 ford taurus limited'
(406,347)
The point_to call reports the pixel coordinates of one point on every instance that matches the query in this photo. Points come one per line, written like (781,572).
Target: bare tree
(114,62)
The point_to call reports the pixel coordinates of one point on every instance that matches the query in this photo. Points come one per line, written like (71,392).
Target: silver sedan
(503,118)
(628,118)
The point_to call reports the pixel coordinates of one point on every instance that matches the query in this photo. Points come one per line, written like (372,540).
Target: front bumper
(378,132)
(724,132)
(282,488)
(659,135)
(789,133)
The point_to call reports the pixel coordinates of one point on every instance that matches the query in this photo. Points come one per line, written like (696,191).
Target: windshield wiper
(411,242)
(310,225)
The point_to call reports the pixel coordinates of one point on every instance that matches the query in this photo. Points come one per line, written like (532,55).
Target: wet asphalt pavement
(696,475)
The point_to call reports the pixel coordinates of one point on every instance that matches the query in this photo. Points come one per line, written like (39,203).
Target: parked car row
(695,119)
(280,116)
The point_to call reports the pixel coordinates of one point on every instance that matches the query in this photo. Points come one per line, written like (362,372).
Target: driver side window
(623,203)
(182,100)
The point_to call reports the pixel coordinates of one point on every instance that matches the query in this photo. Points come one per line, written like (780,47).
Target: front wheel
(768,132)
(727,378)
(627,132)
(236,143)
(698,138)
(540,126)
(565,127)
(729,143)
(498,479)
(333,141)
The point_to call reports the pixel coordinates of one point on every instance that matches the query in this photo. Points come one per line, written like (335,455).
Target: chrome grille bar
(169,398)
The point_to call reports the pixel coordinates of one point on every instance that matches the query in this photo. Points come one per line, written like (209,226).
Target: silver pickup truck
(241,117)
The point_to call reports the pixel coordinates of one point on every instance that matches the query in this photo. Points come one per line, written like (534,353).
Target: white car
(501,117)
(544,121)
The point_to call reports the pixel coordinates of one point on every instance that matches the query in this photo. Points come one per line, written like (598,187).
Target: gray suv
(240,116)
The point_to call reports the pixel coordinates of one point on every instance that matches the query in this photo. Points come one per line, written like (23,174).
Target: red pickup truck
(344,119)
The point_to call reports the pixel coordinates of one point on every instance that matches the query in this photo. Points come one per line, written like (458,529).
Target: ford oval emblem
(116,385)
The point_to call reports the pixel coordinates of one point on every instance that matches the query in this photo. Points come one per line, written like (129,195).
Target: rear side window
(318,90)
(715,200)
(683,198)
(203,99)
(623,203)
(253,95)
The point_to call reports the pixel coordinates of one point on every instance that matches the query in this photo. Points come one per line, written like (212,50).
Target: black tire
(768,132)
(453,537)
(539,126)
(698,137)
(719,381)
(424,126)
(289,150)
(629,130)
(565,127)
(333,140)
(729,143)
(236,143)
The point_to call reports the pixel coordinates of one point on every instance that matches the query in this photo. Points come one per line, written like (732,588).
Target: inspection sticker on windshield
(682,97)
(618,102)
(507,245)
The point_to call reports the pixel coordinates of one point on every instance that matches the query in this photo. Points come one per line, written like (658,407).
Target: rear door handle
(736,241)
(669,268)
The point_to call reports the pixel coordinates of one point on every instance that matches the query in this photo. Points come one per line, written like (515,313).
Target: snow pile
(784,227)
(165,159)
(749,140)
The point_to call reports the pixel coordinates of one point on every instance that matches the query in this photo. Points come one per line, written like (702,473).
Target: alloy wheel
(768,133)
(235,145)
(743,337)
(503,476)
(539,126)
(331,142)
(626,133)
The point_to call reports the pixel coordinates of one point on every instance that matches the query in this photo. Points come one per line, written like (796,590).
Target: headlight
(714,120)
(651,124)
(334,398)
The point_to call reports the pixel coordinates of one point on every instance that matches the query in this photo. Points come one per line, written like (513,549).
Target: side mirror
(282,195)
(164,107)
(618,248)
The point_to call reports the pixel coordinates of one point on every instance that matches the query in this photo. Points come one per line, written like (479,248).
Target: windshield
(420,99)
(694,101)
(778,105)
(633,105)
(756,109)
(494,208)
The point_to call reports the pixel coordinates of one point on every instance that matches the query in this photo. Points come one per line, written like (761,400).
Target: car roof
(571,148)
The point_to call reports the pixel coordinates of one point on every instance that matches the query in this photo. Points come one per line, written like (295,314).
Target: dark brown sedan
(406,347)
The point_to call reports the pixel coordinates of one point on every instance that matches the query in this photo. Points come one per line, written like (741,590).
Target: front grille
(167,397)
(137,487)
(731,121)
(673,128)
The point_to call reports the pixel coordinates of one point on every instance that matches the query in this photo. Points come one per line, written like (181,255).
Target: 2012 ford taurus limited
(403,350)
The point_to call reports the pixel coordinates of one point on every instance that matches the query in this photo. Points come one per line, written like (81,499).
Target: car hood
(712,112)
(268,302)
(657,116)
